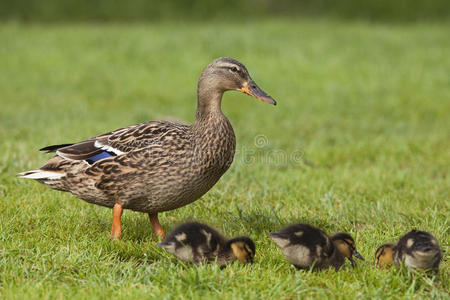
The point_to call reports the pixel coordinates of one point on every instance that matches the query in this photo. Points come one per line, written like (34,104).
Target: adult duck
(154,166)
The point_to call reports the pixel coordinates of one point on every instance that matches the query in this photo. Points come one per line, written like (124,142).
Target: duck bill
(352,262)
(357,255)
(253,90)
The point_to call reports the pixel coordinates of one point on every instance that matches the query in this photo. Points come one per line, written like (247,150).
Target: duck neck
(337,258)
(209,100)
(211,129)
(225,254)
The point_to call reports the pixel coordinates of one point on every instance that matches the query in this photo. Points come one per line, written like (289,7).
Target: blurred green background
(143,10)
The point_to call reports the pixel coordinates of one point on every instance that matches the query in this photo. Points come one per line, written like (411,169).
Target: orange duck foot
(116,230)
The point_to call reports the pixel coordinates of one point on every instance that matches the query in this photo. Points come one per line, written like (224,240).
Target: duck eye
(234,69)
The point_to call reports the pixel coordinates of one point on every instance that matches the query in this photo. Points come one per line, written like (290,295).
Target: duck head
(243,248)
(345,244)
(226,74)
(384,256)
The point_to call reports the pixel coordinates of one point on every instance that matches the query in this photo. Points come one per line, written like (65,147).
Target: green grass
(148,10)
(359,142)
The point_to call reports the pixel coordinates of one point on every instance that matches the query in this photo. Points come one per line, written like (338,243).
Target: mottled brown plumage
(158,165)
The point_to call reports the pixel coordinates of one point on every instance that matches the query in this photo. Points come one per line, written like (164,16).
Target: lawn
(359,142)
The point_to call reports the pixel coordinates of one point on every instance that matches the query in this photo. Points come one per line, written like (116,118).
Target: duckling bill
(158,165)
(416,249)
(198,243)
(307,247)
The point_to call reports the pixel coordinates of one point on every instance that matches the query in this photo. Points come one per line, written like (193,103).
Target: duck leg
(116,230)
(157,229)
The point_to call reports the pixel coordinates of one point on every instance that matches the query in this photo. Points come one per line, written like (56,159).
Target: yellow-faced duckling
(416,249)
(306,246)
(197,243)
(384,256)
(158,165)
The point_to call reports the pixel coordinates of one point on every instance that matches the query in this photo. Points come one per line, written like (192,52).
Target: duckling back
(304,246)
(194,242)
(418,249)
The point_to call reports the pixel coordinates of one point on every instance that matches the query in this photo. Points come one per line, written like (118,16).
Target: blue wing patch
(102,155)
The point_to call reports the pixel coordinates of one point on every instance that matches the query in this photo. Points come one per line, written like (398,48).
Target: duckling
(197,243)
(306,246)
(416,249)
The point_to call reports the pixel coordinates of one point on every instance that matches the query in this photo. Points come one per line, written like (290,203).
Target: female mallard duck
(416,249)
(306,246)
(197,243)
(158,165)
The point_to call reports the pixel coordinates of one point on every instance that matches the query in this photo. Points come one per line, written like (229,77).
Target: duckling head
(345,244)
(243,248)
(225,74)
(384,256)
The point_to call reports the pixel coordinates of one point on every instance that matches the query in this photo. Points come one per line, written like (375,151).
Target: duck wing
(116,142)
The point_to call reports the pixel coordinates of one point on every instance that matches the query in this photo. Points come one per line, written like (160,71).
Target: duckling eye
(350,244)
